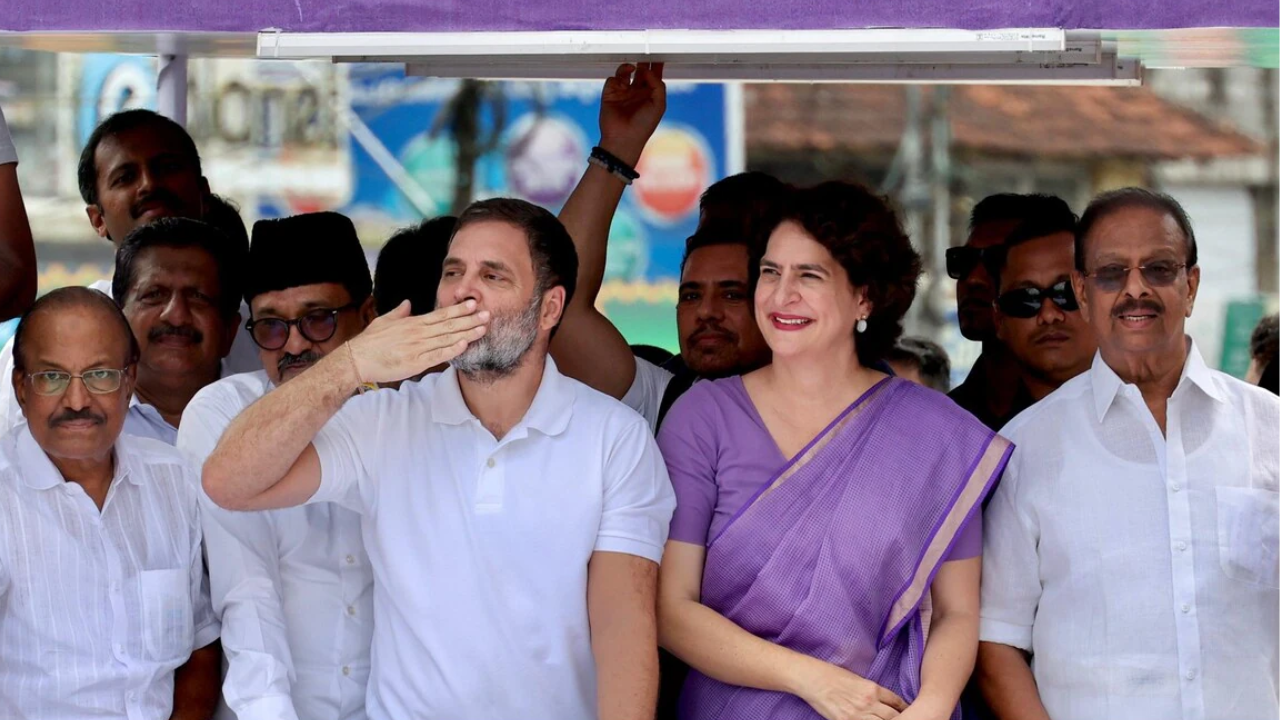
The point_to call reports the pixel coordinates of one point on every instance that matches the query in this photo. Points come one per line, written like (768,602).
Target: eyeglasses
(1111,278)
(1026,302)
(962,260)
(317,326)
(98,381)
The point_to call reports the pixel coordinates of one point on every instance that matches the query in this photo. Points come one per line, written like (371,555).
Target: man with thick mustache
(292,587)
(179,283)
(1129,562)
(104,606)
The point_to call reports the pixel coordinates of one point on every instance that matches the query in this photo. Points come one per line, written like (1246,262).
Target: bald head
(69,299)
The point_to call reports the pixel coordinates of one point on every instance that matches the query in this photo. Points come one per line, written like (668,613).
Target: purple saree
(834,554)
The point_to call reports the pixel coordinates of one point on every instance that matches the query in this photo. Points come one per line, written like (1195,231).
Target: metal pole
(940,182)
(914,196)
(171,87)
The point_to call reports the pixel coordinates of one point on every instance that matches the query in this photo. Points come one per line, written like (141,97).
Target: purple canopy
(345,16)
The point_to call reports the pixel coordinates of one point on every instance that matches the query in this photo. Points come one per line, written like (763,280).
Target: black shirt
(973,393)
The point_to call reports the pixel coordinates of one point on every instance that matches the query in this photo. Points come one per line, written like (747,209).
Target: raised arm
(587,346)
(265,459)
(17,251)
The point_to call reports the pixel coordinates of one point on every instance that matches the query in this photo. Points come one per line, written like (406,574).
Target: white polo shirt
(480,546)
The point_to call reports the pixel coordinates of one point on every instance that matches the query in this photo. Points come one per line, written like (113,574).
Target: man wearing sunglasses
(1036,314)
(104,606)
(1129,562)
(992,391)
(293,587)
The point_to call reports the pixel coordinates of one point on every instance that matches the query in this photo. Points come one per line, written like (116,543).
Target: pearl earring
(861,326)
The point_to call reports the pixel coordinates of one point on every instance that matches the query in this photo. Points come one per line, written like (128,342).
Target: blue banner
(111,83)
(536,138)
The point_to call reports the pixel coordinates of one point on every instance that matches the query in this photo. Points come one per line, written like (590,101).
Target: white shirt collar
(39,473)
(549,413)
(1107,384)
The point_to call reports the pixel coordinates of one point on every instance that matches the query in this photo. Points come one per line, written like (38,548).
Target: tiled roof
(1068,123)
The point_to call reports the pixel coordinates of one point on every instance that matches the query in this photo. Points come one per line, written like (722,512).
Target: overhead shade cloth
(345,16)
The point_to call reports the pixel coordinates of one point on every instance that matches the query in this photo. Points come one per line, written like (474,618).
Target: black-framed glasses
(1159,273)
(1026,302)
(316,325)
(962,260)
(99,381)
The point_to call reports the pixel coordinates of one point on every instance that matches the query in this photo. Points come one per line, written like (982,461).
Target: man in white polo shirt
(293,587)
(514,517)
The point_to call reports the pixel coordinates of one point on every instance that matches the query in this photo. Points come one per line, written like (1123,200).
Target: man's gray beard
(503,347)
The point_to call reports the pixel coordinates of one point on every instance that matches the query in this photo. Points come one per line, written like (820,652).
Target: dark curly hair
(863,233)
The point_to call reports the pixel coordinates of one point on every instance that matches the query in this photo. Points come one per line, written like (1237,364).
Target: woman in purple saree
(820,501)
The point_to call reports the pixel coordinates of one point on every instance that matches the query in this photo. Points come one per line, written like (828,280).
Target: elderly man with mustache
(1129,564)
(104,608)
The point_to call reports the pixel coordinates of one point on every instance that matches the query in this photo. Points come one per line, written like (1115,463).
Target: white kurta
(1141,570)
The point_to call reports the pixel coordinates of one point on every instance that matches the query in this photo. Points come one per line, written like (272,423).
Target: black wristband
(611,163)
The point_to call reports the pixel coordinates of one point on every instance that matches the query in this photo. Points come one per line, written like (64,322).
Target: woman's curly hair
(862,232)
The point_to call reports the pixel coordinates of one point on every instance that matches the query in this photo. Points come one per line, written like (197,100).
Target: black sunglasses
(317,326)
(962,260)
(1026,302)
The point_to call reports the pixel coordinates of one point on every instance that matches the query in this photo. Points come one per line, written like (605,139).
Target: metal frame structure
(939,56)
